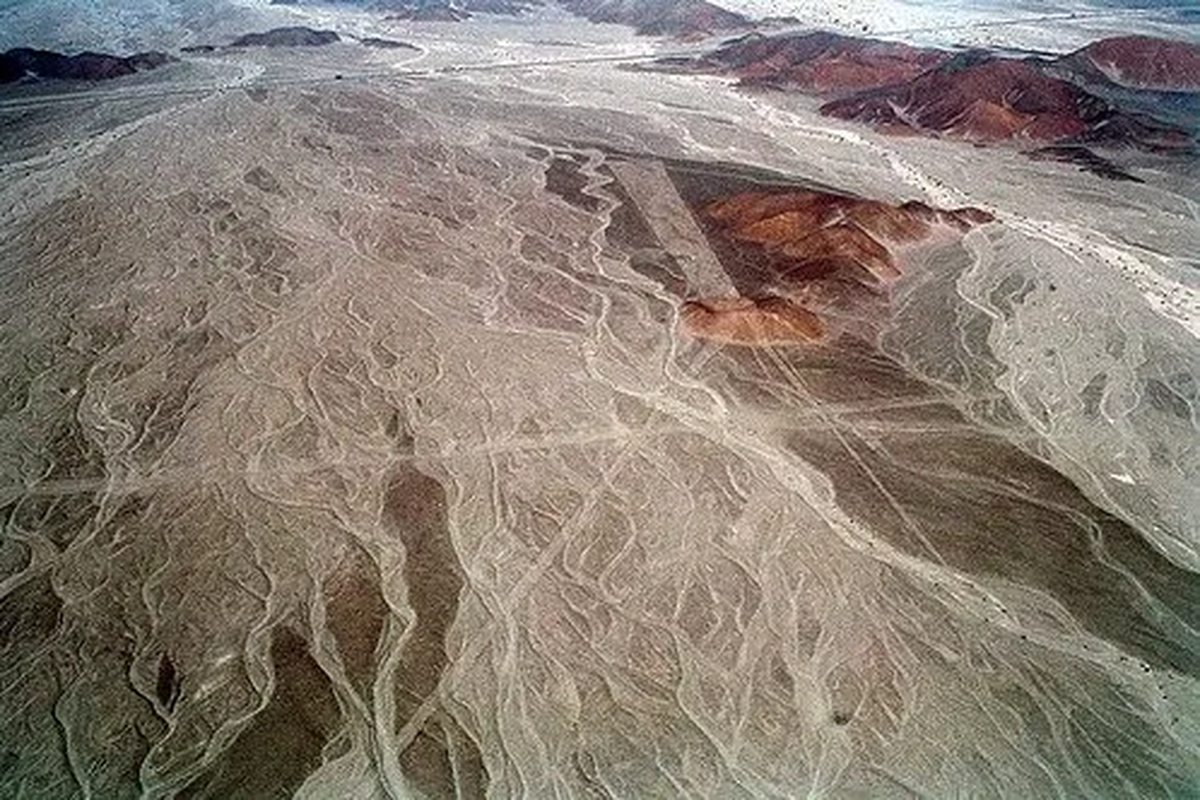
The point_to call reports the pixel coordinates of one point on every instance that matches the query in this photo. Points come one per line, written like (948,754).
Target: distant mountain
(1060,107)
(293,36)
(46,64)
(1142,62)
(510,8)
(430,10)
(980,98)
(679,18)
(819,62)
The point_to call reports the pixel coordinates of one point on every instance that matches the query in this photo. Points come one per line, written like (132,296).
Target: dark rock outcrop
(386,44)
(46,64)
(10,69)
(1083,158)
(292,36)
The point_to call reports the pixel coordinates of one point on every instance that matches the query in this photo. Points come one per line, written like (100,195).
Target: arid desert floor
(425,432)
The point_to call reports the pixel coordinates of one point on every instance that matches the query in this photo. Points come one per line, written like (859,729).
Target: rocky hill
(25,62)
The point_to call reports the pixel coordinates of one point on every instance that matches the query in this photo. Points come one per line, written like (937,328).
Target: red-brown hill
(820,62)
(1143,62)
(984,99)
(806,238)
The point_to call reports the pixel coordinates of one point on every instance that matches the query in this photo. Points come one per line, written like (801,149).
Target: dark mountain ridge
(290,36)
(22,62)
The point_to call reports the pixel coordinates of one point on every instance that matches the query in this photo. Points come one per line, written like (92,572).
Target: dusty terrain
(353,443)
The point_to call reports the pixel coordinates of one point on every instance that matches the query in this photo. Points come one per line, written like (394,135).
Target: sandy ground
(347,455)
